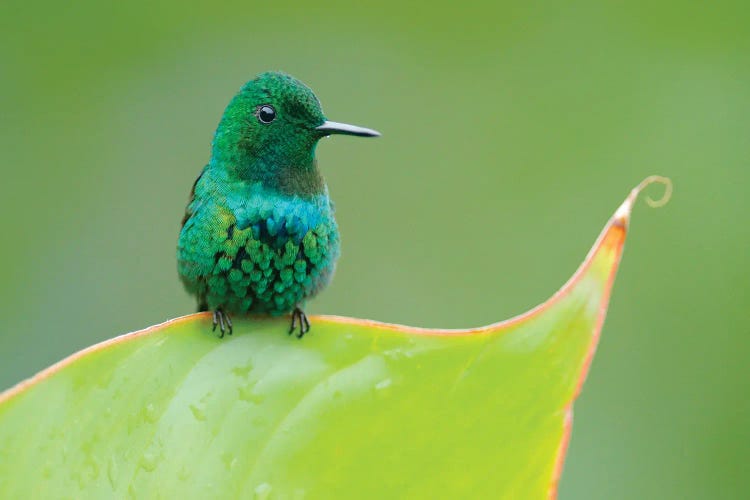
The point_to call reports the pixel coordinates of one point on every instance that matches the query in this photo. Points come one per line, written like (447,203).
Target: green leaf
(355,409)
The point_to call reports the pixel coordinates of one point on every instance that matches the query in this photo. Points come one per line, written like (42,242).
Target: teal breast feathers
(255,251)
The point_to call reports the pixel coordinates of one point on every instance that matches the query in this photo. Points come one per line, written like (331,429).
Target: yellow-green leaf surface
(356,409)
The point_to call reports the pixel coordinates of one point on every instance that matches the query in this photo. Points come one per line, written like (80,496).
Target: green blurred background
(511,131)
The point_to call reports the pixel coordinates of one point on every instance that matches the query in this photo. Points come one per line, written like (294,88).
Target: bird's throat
(277,173)
(304,180)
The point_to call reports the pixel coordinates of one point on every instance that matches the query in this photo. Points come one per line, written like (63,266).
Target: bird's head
(269,132)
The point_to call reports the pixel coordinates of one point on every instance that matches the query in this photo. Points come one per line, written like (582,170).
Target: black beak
(330,128)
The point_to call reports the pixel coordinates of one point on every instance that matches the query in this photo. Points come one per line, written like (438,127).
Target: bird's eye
(266,114)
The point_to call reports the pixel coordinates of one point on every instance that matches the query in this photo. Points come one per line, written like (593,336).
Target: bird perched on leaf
(259,235)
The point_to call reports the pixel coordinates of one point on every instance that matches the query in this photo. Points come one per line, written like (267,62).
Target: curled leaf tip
(667,190)
(622,215)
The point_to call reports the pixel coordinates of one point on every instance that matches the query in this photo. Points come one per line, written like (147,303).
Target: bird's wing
(190,208)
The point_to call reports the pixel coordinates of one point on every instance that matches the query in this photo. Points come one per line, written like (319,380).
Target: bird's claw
(224,322)
(299,317)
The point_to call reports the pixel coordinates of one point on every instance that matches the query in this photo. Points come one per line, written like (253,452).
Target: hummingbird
(259,233)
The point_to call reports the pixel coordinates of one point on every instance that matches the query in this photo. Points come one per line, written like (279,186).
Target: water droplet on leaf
(263,491)
(383,384)
(198,412)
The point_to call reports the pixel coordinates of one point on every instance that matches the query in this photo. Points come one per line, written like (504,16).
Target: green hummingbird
(259,234)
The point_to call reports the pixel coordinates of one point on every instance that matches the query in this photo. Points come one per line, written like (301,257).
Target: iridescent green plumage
(259,235)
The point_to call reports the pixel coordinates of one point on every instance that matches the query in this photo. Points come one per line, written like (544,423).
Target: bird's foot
(299,318)
(224,322)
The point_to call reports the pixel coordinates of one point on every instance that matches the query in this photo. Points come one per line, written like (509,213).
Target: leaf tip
(666,181)
(622,215)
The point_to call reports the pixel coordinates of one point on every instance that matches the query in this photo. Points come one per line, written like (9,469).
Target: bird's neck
(284,168)
(294,181)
